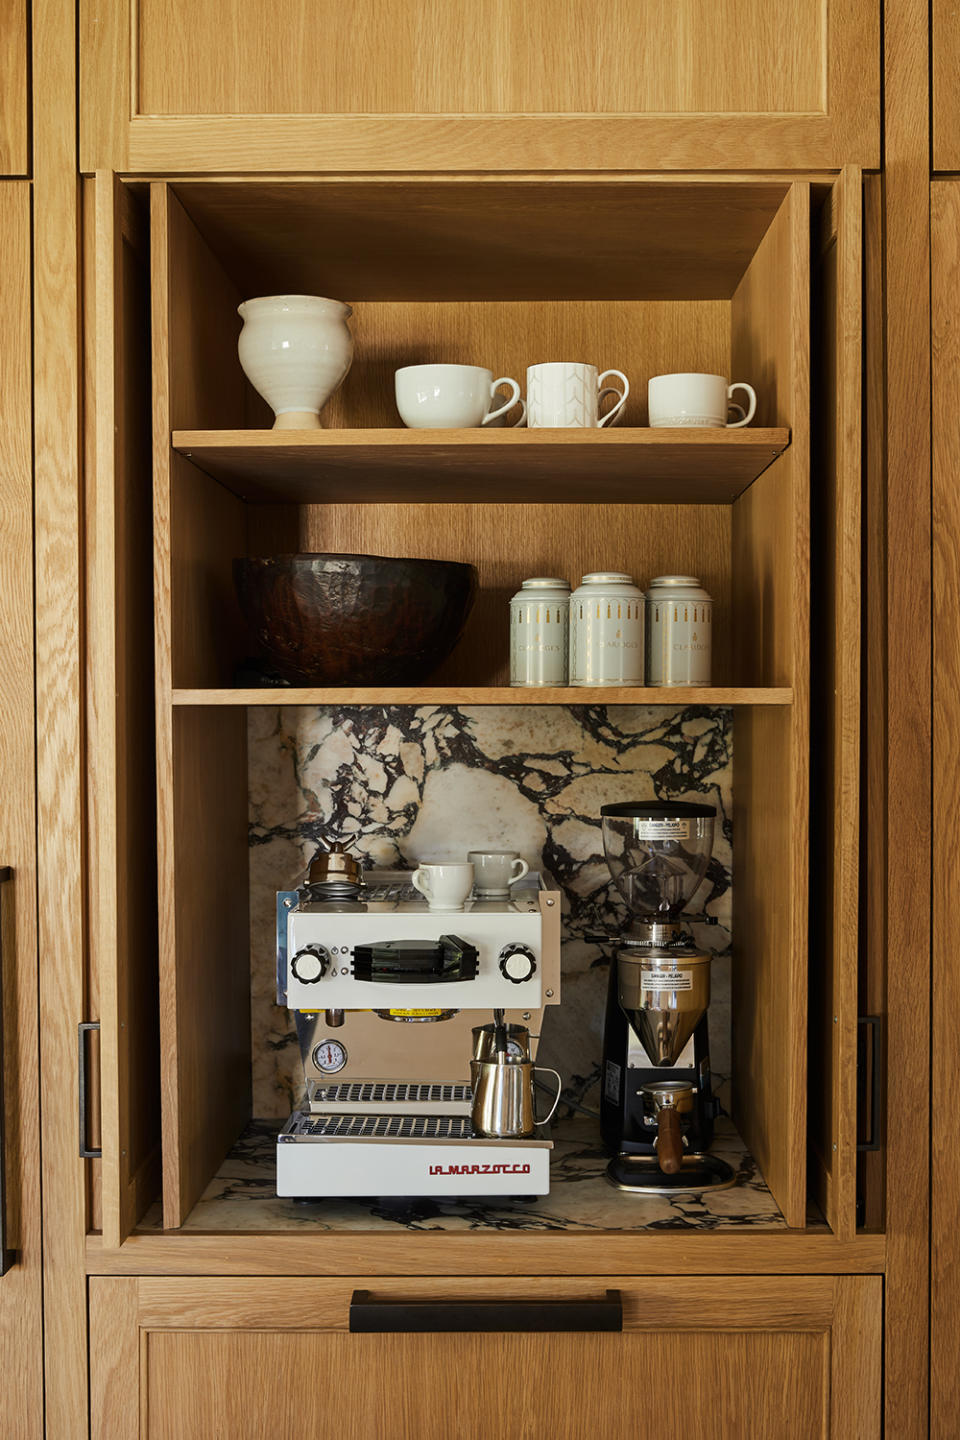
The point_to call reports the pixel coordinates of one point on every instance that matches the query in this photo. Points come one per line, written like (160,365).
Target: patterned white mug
(565,394)
(694,400)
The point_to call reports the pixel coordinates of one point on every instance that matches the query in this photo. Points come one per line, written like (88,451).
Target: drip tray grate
(380,1127)
(392,1092)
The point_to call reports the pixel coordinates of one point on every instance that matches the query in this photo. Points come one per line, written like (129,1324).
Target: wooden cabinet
(729,85)
(21,1354)
(945,66)
(14,44)
(179,1358)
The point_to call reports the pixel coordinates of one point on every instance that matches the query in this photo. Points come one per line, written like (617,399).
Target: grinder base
(641,1175)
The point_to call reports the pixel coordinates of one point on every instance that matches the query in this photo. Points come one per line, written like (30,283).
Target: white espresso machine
(386,994)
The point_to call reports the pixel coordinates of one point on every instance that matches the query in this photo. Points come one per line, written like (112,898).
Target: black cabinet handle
(369,1316)
(8,1257)
(86,1153)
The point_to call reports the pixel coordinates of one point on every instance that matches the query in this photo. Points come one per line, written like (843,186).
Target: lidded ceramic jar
(295,351)
(679,631)
(539,632)
(606,630)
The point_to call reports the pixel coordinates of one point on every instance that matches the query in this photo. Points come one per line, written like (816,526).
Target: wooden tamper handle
(669,1143)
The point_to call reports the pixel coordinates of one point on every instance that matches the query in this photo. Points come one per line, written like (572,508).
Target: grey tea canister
(539,632)
(606,630)
(679,631)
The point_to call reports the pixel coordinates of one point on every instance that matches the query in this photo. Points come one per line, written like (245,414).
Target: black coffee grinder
(657,1107)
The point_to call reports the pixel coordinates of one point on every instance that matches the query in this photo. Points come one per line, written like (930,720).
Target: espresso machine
(386,995)
(657,1106)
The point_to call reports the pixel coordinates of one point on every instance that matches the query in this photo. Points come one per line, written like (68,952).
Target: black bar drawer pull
(417,1317)
(85,1026)
(8,1257)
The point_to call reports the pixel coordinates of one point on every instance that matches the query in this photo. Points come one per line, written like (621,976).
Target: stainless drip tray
(377,1127)
(389,1092)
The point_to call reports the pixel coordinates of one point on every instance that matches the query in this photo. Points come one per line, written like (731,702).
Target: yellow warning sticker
(419,1014)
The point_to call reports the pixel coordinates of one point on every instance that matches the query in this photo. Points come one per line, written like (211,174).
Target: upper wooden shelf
(643,466)
(491,695)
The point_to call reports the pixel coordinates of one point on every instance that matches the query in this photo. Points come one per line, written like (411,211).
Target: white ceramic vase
(295,351)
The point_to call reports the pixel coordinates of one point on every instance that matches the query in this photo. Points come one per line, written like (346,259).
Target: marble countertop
(242,1196)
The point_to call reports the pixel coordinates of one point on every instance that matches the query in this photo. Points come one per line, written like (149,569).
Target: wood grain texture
(120,722)
(783,104)
(835,701)
(114,1359)
(770,559)
(746,1349)
(494,695)
(504,238)
(945,62)
(908,756)
(61,758)
(21,1333)
(638,466)
(512,58)
(14,97)
(873,651)
(813,1251)
(945,1209)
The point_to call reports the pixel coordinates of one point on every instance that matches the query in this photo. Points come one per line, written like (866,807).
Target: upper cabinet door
(13,87)
(21,1335)
(533,84)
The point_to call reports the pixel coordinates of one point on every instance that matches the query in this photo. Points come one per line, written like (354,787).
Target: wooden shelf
(682,467)
(490,695)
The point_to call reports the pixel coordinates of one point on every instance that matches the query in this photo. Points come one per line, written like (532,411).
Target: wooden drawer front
(173,1358)
(242,84)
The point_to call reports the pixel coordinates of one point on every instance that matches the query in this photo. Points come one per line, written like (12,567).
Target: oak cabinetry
(14,97)
(179,1358)
(21,1359)
(945,68)
(166,86)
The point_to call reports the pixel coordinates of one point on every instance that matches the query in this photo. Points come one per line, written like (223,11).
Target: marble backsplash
(404,784)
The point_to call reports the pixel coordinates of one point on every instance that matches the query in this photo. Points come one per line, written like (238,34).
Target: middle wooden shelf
(489,695)
(636,466)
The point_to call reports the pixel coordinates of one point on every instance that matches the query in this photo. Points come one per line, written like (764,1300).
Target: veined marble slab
(242,1196)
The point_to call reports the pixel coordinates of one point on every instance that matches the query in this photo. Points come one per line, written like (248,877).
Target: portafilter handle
(669,1140)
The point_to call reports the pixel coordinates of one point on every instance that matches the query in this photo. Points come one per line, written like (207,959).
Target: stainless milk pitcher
(503,1106)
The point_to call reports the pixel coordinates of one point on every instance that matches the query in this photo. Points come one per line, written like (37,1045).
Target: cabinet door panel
(21,1353)
(415,85)
(248,1358)
(13,87)
(121,786)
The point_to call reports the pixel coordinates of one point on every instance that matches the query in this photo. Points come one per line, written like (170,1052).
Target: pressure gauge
(329,1056)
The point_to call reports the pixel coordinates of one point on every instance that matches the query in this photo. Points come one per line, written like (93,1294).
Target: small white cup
(452,397)
(695,400)
(497,870)
(566,395)
(444,886)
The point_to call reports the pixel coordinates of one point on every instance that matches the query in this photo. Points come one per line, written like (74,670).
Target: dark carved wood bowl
(354,619)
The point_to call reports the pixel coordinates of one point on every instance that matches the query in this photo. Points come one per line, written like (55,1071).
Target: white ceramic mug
(694,400)
(444,886)
(565,394)
(452,397)
(496,870)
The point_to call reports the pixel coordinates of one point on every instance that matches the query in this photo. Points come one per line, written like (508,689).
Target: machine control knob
(310,964)
(517,963)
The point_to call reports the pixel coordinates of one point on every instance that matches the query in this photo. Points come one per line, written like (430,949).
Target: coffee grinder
(657,1107)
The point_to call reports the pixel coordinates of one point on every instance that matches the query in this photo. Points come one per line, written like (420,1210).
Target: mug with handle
(453,397)
(566,395)
(689,399)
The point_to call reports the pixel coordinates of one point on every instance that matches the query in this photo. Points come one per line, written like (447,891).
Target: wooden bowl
(354,619)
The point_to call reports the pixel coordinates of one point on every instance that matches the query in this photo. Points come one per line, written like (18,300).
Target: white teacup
(566,395)
(497,870)
(444,886)
(694,400)
(452,397)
